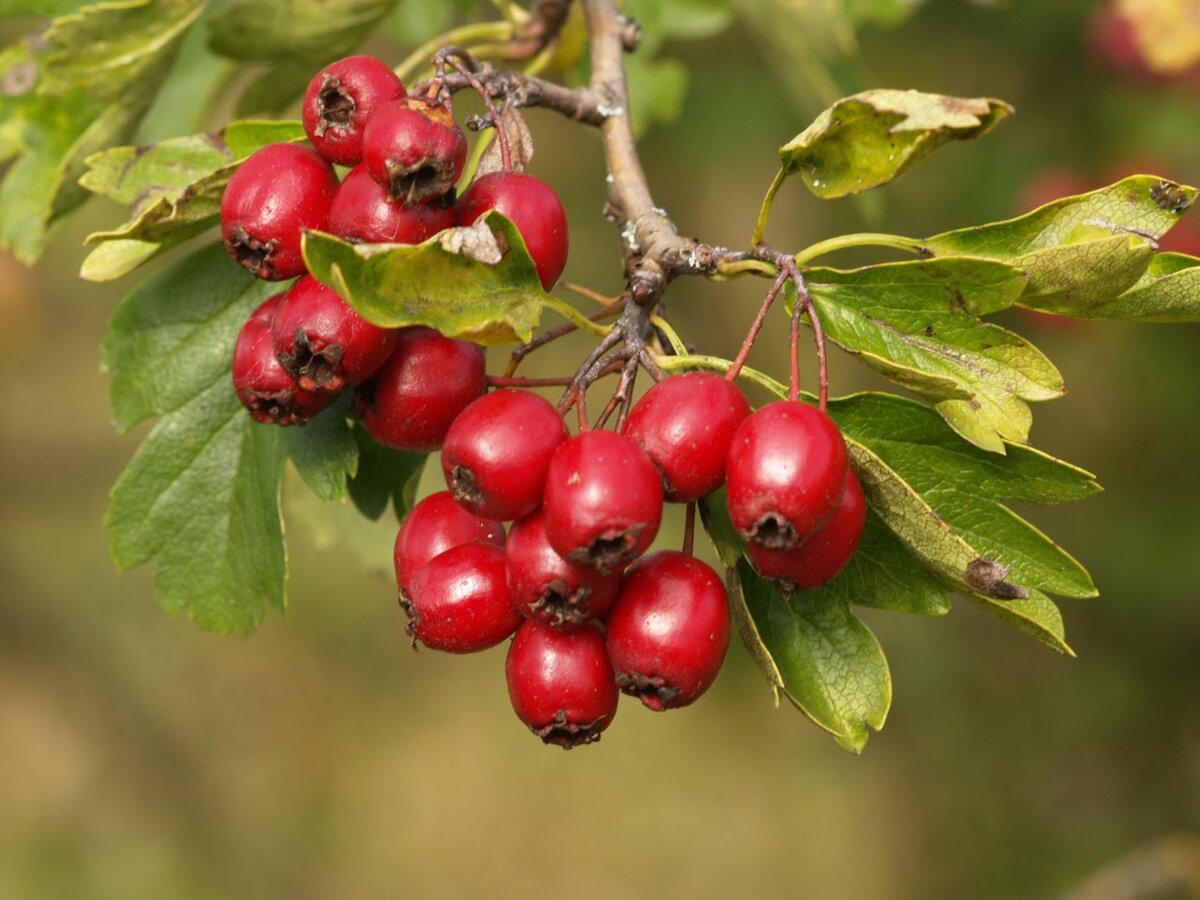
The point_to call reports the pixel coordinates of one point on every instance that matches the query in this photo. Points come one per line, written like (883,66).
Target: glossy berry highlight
(414,148)
(458,602)
(432,527)
(340,100)
(363,213)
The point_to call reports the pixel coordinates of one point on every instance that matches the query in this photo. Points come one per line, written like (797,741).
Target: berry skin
(603,500)
(785,473)
(547,588)
(276,194)
(362,213)
(339,102)
(459,603)
(415,149)
(561,683)
(685,424)
(322,342)
(422,387)
(262,385)
(669,631)
(497,451)
(825,552)
(533,206)
(432,527)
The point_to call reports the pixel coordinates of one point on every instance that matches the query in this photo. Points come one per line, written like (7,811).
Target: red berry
(785,473)
(414,148)
(685,424)
(362,212)
(561,683)
(427,381)
(546,587)
(339,102)
(458,602)
(497,451)
(273,196)
(533,206)
(603,500)
(432,527)
(262,385)
(669,631)
(825,552)
(324,343)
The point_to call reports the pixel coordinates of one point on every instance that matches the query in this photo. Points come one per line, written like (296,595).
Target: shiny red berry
(458,602)
(603,500)
(414,148)
(785,473)
(546,587)
(668,633)
(322,342)
(825,552)
(362,212)
(427,381)
(432,527)
(339,102)
(497,451)
(561,683)
(272,197)
(685,424)
(270,393)
(533,206)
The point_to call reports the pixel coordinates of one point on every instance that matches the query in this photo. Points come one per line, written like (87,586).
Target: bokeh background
(322,758)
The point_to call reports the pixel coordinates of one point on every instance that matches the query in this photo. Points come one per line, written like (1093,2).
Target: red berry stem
(794,352)
(689,528)
(803,297)
(510,381)
(756,327)
(460,60)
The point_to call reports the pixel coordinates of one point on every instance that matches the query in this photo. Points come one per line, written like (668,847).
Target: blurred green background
(322,758)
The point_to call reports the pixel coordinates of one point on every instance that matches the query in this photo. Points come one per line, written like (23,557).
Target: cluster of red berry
(589,615)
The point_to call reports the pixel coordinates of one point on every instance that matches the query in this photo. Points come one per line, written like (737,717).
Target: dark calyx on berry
(340,100)
(414,148)
(362,212)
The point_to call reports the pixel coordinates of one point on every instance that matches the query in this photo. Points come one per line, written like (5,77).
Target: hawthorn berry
(414,148)
(561,683)
(825,552)
(669,630)
(265,389)
(419,391)
(458,602)
(339,102)
(533,206)
(322,342)
(497,451)
(685,424)
(362,212)
(785,473)
(603,500)
(547,588)
(432,527)
(275,195)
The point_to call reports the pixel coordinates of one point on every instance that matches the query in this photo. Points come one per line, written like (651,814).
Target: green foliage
(325,451)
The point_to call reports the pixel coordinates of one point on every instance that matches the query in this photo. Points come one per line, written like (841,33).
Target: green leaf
(200,500)
(324,451)
(829,664)
(918,323)
(441,283)
(1079,252)
(869,139)
(384,477)
(1168,291)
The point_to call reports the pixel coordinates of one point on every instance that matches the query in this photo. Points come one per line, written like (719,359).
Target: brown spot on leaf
(990,578)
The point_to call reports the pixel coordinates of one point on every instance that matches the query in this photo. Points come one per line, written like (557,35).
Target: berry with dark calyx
(419,391)
(362,213)
(603,500)
(785,473)
(458,602)
(497,451)
(339,102)
(432,527)
(270,393)
(561,683)
(825,552)
(414,148)
(546,587)
(275,195)
(668,633)
(685,424)
(533,206)
(323,343)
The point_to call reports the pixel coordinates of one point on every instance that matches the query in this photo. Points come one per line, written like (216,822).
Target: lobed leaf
(385,477)
(324,450)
